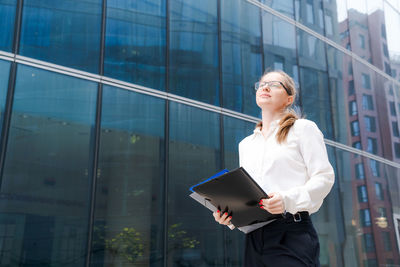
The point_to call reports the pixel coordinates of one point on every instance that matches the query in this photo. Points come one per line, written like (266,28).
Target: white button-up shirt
(298,169)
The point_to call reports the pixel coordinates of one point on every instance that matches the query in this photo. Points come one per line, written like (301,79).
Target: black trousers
(283,242)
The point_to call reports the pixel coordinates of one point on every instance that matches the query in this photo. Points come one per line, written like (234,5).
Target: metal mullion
(17,27)
(7,118)
(166,134)
(96,141)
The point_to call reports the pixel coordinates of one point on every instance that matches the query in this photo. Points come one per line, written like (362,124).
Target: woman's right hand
(222,218)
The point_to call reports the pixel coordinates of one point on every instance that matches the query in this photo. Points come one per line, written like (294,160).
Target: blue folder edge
(212,177)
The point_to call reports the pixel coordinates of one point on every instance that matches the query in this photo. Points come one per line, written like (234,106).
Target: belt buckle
(298,219)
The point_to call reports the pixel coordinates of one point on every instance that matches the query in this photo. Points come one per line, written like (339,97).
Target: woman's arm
(309,197)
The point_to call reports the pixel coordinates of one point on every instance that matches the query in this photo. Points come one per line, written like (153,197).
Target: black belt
(297,217)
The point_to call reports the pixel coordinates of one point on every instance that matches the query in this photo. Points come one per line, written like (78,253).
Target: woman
(287,157)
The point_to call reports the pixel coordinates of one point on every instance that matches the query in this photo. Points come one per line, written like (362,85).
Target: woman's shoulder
(302,125)
(246,140)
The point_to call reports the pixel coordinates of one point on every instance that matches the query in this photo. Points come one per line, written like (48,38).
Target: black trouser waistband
(297,217)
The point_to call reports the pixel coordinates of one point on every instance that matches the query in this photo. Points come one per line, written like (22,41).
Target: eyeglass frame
(266,84)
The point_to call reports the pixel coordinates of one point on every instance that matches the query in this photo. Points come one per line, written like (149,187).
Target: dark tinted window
(129,215)
(194,70)
(46,180)
(7,15)
(62,32)
(194,238)
(135,42)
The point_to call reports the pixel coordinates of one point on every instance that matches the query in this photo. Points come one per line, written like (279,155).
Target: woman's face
(273,97)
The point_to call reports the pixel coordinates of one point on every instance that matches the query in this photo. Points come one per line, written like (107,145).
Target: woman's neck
(268,117)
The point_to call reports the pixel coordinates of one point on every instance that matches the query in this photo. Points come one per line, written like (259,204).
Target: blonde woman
(287,157)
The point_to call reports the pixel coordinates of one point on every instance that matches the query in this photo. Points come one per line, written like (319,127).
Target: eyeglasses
(272,85)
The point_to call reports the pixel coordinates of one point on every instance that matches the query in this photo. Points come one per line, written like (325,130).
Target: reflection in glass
(279,44)
(128,228)
(283,6)
(315,99)
(7,15)
(194,155)
(46,180)
(193,68)
(135,42)
(234,131)
(62,32)
(4,73)
(241,55)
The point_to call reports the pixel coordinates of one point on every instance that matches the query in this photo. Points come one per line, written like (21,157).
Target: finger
(223,217)
(273,200)
(276,205)
(276,210)
(227,220)
(216,215)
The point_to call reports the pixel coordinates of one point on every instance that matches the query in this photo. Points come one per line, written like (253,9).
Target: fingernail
(226,213)
(217,211)
(230,217)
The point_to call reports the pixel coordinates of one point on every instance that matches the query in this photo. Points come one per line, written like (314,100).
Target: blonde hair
(290,116)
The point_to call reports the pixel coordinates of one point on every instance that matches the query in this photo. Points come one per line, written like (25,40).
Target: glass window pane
(193,68)
(47,177)
(128,228)
(315,99)
(62,32)
(234,131)
(7,15)
(279,44)
(135,42)
(194,155)
(283,6)
(241,55)
(4,76)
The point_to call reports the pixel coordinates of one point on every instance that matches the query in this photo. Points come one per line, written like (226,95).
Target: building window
(382,212)
(370,123)
(367,103)
(358,146)
(321,17)
(359,171)
(369,244)
(392,108)
(366,81)
(383,31)
(374,167)
(278,62)
(372,145)
(355,128)
(328,24)
(388,69)
(395,129)
(365,218)
(385,50)
(362,41)
(362,193)
(309,10)
(379,191)
(397,150)
(353,108)
(386,241)
(351,87)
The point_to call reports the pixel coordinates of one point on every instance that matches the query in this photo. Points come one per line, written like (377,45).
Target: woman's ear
(289,100)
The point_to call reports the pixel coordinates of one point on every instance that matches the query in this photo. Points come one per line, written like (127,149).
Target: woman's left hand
(274,204)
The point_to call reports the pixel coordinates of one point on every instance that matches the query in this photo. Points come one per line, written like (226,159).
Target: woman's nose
(266,88)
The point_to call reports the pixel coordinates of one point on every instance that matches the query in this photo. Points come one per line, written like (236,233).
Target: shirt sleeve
(309,197)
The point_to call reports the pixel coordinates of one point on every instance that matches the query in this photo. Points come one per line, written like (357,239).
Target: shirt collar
(272,126)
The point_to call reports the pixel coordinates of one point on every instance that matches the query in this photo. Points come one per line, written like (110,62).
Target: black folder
(238,194)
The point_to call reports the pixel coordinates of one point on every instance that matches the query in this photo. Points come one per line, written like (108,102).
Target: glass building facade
(111,109)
